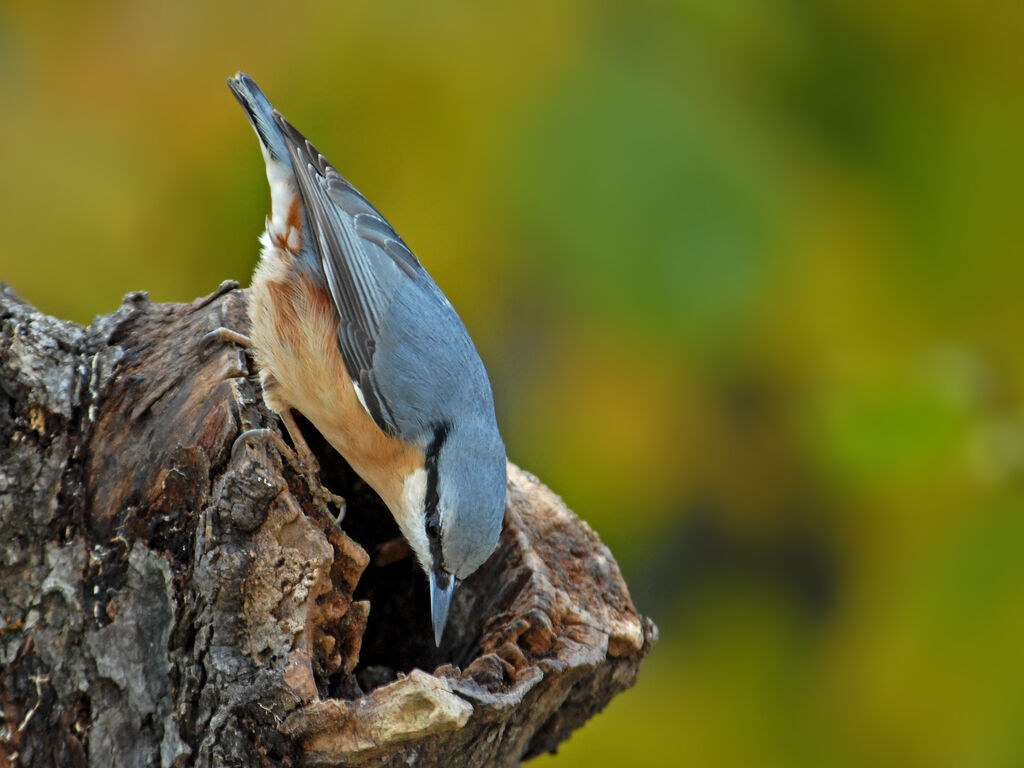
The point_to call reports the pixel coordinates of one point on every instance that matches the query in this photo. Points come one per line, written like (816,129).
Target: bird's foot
(264,437)
(325,499)
(304,465)
(221,336)
(225,287)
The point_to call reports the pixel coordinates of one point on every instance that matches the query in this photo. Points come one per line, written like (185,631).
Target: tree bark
(166,601)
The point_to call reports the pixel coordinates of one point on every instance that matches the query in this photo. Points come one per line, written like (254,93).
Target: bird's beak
(440,601)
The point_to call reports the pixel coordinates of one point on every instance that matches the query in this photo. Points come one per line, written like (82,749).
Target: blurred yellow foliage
(746,276)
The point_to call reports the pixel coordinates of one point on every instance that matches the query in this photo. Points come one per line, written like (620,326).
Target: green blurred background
(747,277)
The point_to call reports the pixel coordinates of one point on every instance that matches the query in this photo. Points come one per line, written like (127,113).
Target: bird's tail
(261,115)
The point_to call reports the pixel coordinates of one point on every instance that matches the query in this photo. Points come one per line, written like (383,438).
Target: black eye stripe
(432,521)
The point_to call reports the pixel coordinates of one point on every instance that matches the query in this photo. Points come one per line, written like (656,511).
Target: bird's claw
(221,336)
(266,436)
(307,467)
(337,501)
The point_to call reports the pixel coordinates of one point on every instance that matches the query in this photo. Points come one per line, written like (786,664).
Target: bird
(349,329)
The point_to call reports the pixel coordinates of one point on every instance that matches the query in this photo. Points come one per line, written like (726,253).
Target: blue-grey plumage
(349,329)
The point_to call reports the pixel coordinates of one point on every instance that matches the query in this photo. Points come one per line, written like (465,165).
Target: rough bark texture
(165,601)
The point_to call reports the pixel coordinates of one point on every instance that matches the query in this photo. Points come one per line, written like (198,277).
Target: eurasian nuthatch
(350,330)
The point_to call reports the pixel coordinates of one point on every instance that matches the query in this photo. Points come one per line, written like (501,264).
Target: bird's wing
(363,260)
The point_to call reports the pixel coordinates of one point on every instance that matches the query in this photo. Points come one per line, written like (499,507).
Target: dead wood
(166,603)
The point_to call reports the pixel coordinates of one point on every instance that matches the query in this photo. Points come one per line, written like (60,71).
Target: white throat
(410,518)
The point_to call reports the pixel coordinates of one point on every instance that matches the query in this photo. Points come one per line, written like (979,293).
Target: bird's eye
(433,527)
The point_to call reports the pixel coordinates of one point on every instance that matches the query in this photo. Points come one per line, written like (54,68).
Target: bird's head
(454,506)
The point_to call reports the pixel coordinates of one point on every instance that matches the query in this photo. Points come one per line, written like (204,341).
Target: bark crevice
(166,603)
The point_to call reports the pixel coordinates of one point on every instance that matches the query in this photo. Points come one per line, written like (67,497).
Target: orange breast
(294,333)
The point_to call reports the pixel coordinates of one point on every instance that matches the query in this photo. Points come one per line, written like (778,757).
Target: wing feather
(363,259)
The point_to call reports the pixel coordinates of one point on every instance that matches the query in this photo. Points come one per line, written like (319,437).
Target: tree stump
(167,602)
